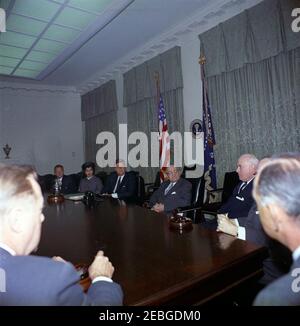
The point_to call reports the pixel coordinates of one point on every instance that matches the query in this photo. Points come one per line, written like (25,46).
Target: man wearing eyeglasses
(174,193)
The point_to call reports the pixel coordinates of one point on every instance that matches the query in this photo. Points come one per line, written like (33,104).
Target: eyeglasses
(171,173)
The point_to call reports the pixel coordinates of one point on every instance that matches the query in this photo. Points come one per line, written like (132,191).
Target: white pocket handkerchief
(240,198)
(173,193)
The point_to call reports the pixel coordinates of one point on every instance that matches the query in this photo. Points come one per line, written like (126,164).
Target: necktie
(168,188)
(117,184)
(242,187)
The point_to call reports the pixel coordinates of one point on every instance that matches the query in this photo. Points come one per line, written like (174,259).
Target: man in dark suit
(241,200)
(32,280)
(277,192)
(65,183)
(174,193)
(121,184)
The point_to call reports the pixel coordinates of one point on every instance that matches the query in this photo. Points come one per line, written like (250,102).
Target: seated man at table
(174,193)
(241,200)
(32,280)
(65,183)
(120,184)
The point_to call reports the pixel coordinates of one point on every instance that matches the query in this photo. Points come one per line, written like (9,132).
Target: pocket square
(173,193)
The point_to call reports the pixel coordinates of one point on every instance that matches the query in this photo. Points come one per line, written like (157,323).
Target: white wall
(42,127)
(192,89)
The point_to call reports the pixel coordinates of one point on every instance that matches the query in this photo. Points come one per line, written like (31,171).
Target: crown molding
(211,15)
(27,87)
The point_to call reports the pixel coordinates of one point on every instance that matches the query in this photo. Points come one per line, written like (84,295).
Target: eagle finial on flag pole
(202,59)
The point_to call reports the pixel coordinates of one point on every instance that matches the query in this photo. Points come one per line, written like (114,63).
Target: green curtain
(99,113)
(140,97)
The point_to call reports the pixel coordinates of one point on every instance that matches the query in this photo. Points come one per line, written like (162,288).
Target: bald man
(241,200)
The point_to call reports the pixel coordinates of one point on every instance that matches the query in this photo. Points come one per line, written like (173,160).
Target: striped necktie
(242,187)
(169,188)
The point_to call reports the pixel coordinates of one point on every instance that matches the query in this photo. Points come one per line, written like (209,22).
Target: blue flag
(209,140)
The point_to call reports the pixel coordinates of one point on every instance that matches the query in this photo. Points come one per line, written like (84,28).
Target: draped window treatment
(140,97)
(253,70)
(99,113)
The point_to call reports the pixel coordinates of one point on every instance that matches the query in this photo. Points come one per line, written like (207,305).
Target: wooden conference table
(153,264)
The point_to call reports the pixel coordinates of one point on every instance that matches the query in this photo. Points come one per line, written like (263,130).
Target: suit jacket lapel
(174,188)
(3,252)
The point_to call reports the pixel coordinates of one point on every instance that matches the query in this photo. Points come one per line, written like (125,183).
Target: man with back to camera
(277,192)
(32,280)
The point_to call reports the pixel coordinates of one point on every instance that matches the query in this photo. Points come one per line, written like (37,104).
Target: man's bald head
(247,167)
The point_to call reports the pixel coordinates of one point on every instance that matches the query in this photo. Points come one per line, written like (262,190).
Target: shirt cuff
(102,278)
(241,233)
(114,195)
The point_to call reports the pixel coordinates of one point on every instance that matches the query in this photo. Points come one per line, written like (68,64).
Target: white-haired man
(241,200)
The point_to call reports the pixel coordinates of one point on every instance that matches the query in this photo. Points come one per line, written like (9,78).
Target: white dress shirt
(114,194)
(296,254)
(7,248)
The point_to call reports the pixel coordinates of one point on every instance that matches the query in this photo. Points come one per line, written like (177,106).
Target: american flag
(164,139)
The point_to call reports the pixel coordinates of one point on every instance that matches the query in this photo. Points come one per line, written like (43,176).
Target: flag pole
(209,139)
(202,61)
(157,82)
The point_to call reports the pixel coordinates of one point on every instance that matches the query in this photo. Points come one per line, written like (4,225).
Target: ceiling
(65,42)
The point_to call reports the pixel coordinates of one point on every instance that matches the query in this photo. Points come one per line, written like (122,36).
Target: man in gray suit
(32,280)
(174,193)
(277,193)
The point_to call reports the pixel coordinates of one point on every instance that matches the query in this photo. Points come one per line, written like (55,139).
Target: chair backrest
(157,180)
(102,176)
(46,182)
(231,179)
(197,190)
(76,177)
(141,189)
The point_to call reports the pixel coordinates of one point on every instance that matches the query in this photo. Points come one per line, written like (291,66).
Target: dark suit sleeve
(99,293)
(181,199)
(280,292)
(255,232)
(68,185)
(109,184)
(156,197)
(253,228)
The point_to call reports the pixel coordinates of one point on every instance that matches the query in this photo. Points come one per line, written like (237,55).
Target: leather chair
(140,190)
(102,176)
(194,210)
(46,182)
(231,179)
(151,187)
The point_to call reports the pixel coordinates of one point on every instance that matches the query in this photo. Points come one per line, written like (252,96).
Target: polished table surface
(153,264)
